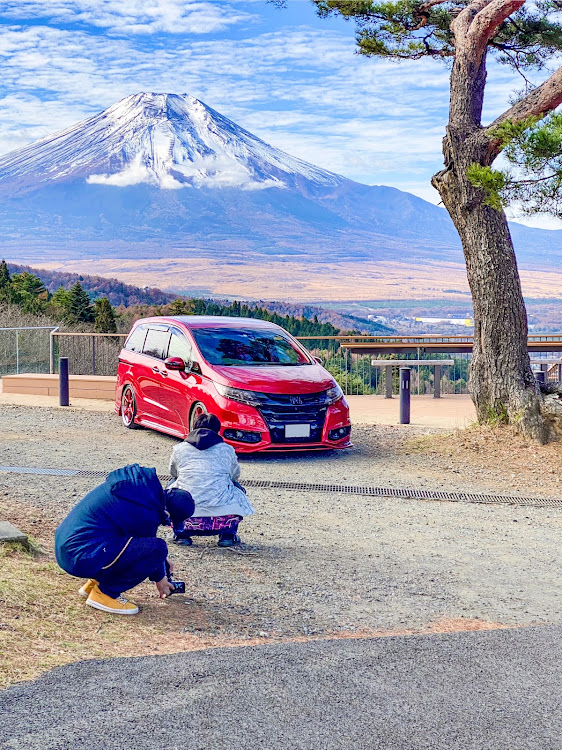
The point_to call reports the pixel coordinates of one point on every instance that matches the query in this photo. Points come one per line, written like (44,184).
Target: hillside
(128,296)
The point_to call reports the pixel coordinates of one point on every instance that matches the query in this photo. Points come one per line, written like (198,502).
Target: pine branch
(539,102)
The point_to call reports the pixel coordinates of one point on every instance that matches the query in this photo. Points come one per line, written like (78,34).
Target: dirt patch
(516,462)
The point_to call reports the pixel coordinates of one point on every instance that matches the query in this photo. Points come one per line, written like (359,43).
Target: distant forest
(131,302)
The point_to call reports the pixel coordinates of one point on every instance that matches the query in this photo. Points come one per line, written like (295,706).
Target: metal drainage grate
(346,489)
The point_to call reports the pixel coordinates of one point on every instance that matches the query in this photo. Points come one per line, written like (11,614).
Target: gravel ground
(320,563)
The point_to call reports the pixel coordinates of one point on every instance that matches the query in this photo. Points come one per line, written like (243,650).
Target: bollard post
(404,395)
(437,381)
(388,381)
(63,382)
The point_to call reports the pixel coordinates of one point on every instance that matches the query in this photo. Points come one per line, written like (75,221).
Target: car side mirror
(174,363)
(318,360)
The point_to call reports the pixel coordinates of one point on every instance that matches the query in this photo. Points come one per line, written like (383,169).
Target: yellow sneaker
(119,606)
(87,587)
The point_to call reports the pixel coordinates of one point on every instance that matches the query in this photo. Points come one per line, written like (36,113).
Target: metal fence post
(63,382)
(404,395)
(388,381)
(437,381)
(17,352)
(93,355)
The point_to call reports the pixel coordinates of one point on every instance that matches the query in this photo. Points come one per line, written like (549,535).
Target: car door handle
(164,373)
(156,369)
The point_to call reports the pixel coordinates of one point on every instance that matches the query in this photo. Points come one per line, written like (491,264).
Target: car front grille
(281,410)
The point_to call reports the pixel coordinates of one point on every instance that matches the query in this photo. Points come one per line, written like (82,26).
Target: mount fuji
(157,175)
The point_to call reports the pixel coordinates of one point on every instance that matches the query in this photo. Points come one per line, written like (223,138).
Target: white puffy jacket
(209,473)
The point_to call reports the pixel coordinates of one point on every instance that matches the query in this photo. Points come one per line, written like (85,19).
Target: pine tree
(4,275)
(181,307)
(525,35)
(79,308)
(28,291)
(104,316)
(59,302)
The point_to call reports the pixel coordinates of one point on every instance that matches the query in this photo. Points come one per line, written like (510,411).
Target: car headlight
(252,398)
(334,394)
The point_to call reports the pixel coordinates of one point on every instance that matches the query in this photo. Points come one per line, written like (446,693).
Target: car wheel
(197,410)
(128,408)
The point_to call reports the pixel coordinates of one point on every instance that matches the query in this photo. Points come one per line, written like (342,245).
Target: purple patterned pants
(210,526)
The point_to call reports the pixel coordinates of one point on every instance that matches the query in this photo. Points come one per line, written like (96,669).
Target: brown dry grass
(310,281)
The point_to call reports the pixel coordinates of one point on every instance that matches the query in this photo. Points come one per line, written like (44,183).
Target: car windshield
(247,347)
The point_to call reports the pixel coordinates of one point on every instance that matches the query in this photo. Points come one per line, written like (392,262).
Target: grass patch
(45,623)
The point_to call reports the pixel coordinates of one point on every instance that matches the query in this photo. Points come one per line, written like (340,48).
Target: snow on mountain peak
(166,140)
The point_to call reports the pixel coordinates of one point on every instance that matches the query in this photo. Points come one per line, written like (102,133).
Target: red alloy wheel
(128,408)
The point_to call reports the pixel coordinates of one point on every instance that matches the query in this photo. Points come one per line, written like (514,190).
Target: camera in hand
(179,586)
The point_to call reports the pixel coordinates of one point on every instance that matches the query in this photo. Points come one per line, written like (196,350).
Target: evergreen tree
(4,275)
(6,291)
(79,308)
(181,307)
(28,291)
(104,316)
(59,302)
(525,35)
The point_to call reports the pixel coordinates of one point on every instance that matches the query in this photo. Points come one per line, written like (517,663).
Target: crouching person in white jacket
(207,467)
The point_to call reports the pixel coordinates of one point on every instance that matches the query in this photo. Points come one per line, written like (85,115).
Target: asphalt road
(491,690)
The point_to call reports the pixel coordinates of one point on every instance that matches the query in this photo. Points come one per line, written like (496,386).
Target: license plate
(297,430)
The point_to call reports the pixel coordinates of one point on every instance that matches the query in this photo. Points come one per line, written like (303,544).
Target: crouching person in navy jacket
(110,537)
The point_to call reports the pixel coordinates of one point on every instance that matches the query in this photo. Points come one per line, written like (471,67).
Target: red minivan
(267,390)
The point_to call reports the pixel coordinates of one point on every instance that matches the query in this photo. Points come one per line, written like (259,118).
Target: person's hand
(170,565)
(164,587)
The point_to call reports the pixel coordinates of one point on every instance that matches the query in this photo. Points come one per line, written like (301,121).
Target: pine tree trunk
(502,385)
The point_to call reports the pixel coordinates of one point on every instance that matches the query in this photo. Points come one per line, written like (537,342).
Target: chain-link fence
(25,349)
(88,353)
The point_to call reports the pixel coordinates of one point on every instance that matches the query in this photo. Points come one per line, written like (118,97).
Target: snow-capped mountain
(165,140)
(171,175)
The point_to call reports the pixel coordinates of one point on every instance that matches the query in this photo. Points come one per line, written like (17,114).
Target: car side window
(156,343)
(180,347)
(136,340)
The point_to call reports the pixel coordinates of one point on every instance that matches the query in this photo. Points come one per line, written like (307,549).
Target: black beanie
(179,505)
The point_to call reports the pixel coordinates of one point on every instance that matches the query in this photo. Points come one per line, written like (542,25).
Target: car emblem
(296,399)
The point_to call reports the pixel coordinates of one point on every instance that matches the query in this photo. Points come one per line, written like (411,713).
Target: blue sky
(286,75)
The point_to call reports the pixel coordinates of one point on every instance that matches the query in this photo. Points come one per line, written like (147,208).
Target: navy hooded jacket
(130,503)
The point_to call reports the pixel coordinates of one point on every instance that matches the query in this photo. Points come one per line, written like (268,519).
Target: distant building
(467,322)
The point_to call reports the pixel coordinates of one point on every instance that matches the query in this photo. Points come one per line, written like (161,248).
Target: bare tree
(467,33)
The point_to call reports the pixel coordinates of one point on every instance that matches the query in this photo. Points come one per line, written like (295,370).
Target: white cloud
(131,16)
(216,171)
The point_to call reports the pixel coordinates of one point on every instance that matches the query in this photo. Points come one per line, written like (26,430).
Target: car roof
(210,321)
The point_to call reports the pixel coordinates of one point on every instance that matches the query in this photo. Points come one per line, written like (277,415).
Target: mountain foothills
(164,175)
(108,305)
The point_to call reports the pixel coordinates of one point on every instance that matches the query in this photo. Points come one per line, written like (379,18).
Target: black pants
(143,558)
